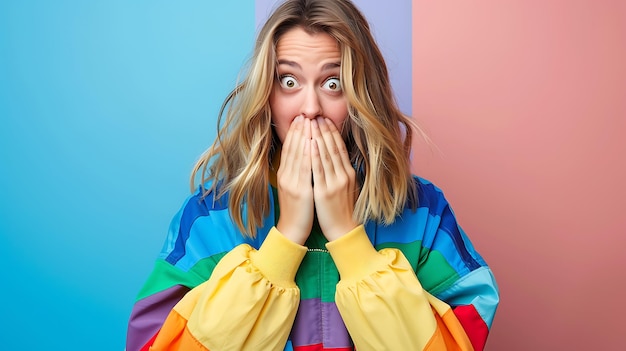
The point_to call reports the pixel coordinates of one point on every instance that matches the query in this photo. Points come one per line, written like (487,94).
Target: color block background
(526,101)
(105,105)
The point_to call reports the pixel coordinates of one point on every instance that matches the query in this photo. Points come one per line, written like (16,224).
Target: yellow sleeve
(248,303)
(383,303)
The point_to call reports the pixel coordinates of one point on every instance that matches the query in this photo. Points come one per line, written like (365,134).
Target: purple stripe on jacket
(319,322)
(149,314)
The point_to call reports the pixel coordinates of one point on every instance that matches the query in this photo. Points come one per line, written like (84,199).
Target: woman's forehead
(297,46)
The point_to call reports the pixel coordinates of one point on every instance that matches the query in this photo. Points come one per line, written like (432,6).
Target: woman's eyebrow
(289,63)
(331,66)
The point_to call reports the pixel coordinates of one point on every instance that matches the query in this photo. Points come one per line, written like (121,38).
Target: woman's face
(308,80)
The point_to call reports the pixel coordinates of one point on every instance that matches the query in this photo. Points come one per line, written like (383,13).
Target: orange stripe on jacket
(176,336)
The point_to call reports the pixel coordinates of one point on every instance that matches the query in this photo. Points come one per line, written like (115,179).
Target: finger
(301,165)
(286,145)
(338,154)
(324,161)
(316,162)
(328,148)
(341,146)
(292,144)
(305,152)
(306,132)
(305,165)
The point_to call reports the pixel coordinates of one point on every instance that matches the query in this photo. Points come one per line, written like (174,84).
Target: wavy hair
(378,135)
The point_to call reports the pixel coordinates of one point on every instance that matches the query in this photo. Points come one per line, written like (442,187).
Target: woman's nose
(311,107)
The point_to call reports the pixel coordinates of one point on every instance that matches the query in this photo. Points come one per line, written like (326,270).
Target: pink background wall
(525,102)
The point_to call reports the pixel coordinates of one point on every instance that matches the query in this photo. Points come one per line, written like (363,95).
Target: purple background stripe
(391,24)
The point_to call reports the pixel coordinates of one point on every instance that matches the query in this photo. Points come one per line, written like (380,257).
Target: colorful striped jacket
(417,284)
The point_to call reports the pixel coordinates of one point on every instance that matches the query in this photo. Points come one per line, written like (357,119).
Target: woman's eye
(288,82)
(332,84)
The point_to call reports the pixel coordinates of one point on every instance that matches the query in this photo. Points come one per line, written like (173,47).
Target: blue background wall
(104,108)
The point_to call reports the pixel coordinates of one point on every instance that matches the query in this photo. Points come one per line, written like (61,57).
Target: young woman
(308,230)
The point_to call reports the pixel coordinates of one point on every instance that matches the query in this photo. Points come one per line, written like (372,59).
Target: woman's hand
(295,191)
(334,187)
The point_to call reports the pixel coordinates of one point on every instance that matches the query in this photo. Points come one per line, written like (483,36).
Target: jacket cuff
(354,255)
(278,259)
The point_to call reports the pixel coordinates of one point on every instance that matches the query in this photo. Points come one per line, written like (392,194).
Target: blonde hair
(378,135)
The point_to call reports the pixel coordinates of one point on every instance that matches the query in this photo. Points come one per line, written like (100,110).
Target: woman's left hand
(334,187)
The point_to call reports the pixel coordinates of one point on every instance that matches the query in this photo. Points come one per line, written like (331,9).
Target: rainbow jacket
(416,284)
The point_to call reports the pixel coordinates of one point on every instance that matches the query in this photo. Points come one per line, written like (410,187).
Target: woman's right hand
(295,190)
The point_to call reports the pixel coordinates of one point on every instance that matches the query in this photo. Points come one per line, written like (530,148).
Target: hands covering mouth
(315,176)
